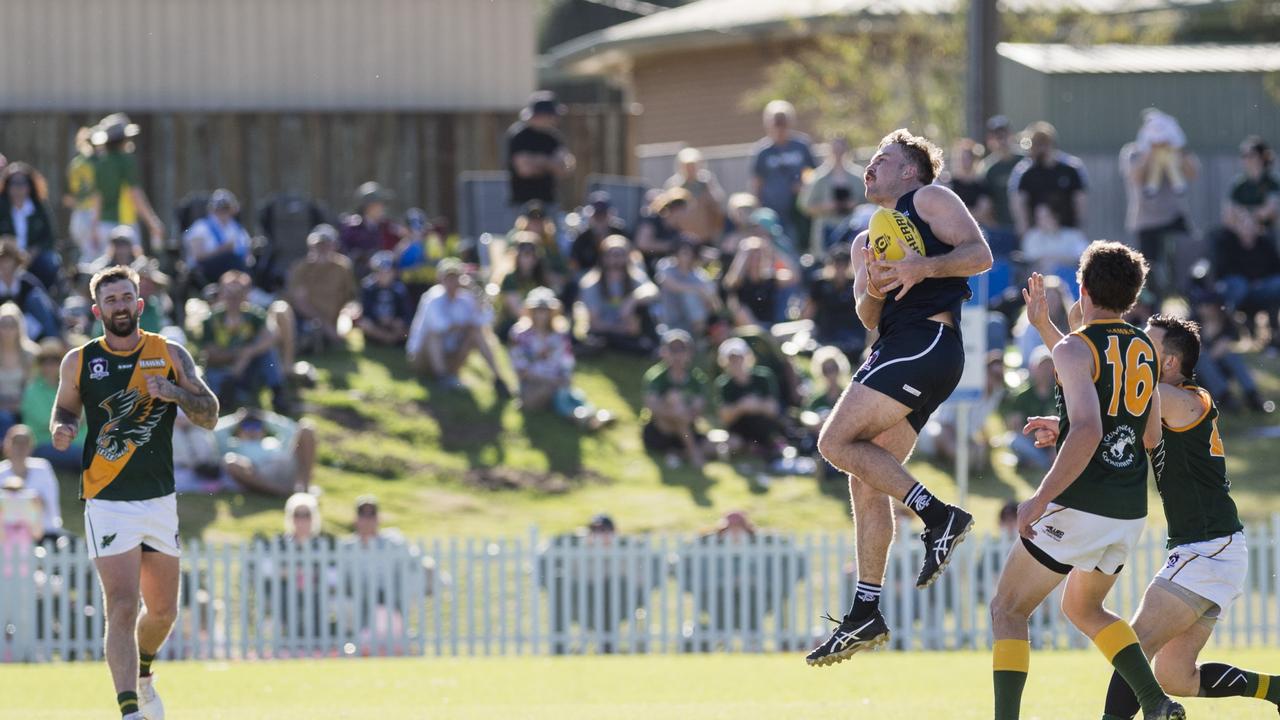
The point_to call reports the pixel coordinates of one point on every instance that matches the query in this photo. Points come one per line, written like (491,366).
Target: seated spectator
(318,289)
(198,463)
(20,518)
(831,372)
(1247,265)
(123,248)
(675,395)
(768,353)
(34,473)
(749,407)
(617,296)
(20,287)
(1037,398)
(830,193)
(831,306)
(661,230)
(1256,192)
(939,439)
(449,324)
(542,356)
(17,361)
(239,348)
(526,270)
(755,282)
(1219,362)
(741,207)
(1049,248)
(267,453)
(422,248)
(689,295)
(368,229)
(968,184)
(705,221)
(25,215)
(384,303)
(535,225)
(601,222)
(216,243)
(37,407)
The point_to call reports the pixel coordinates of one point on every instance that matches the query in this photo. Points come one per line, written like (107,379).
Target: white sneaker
(133,716)
(148,701)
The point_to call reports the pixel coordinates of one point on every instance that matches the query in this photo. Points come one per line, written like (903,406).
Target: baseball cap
(366,501)
(543,102)
(601,521)
(542,298)
(382,260)
(996,123)
(223,199)
(449,266)
(599,201)
(324,232)
(733,347)
(676,335)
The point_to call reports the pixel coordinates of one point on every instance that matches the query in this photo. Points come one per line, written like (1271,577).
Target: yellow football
(889,226)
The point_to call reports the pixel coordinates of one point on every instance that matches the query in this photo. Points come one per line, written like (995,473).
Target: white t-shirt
(438,313)
(41,479)
(207,235)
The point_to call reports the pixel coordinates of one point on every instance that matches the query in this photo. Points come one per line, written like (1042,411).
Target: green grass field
(897,686)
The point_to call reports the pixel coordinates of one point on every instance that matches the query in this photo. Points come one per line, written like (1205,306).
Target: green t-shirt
(218,334)
(659,381)
(760,383)
(113,172)
(1024,403)
(37,408)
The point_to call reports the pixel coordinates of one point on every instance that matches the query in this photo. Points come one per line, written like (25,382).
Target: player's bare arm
(1154,430)
(1074,363)
(190,392)
(1180,407)
(64,423)
(868,301)
(1038,311)
(952,224)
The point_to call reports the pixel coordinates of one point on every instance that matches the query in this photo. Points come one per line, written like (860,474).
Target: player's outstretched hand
(901,274)
(1043,429)
(1029,511)
(1033,296)
(161,388)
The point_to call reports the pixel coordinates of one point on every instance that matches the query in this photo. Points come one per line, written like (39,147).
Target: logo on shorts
(911,390)
(1120,447)
(1173,560)
(98,368)
(107,539)
(1053,532)
(871,360)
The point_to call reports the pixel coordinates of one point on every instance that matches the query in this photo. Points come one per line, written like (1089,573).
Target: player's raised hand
(160,388)
(1043,429)
(1033,295)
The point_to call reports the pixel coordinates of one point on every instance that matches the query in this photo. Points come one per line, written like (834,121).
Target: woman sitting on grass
(542,355)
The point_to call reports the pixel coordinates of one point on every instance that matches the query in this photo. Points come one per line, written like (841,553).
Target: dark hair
(1255,144)
(110,275)
(1181,339)
(920,152)
(1113,274)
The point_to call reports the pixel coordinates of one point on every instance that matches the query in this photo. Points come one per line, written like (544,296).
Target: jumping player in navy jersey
(914,366)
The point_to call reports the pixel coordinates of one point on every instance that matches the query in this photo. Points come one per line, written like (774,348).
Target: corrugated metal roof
(697,20)
(1073,59)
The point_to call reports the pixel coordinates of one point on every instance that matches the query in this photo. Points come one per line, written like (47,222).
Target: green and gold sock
(1010,662)
(1222,680)
(144,664)
(1120,646)
(128,702)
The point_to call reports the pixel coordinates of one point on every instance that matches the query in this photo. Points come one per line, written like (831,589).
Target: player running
(127,382)
(1208,558)
(1089,510)
(915,365)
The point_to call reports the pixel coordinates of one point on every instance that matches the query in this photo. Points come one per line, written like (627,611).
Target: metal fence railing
(567,594)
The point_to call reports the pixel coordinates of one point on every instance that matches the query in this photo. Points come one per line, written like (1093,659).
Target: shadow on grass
(557,439)
(339,364)
(467,428)
(693,479)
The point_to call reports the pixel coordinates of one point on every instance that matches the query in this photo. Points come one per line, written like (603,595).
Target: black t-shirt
(1054,184)
(522,138)
(585,251)
(1230,258)
(970,191)
(835,306)
(382,304)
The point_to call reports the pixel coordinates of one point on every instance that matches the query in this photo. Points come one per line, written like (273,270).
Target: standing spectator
(617,296)
(1047,176)
(25,214)
(1247,265)
(239,347)
(1037,398)
(81,200)
(706,198)
(1002,157)
(319,287)
(968,184)
(369,229)
(688,294)
(675,396)
(749,407)
(527,271)
(1156,168)
(24,290)
(602,221)
(1256,191)
(118,181)
(268,453)
(449,324)
(21,511)
(831,305)
(542,356)
(778,164)
(536,154)
(17,359)
(37,404)
(217,243)
(534,224)
(384,303)
(831,193)
(1049,248)
(36,474)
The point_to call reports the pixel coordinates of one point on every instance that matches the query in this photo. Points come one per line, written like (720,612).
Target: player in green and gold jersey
(1089,511)
(1208,558)
(127,383)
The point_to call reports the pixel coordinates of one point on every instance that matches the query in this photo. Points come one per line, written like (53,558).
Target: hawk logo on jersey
(1119,447)
(98,368)
(132,418)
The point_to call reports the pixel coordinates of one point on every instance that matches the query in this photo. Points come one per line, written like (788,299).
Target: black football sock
(144,664)
(1121,702)
(866,600)
(128,702)
(930,509)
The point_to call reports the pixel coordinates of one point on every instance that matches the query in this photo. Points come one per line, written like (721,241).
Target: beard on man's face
(122,323)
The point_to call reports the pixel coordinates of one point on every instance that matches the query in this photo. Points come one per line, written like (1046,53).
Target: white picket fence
(536,596)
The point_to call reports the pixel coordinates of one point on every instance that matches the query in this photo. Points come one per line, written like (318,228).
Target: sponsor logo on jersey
(1119,447)
(150,363)
(98,368)
(124,366)
(1054,532)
